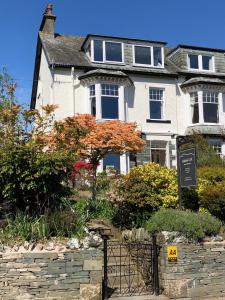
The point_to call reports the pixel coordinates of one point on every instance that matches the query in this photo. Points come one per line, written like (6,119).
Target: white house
(167,92)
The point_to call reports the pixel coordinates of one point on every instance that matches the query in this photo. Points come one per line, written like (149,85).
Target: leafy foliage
(32,178)
(206,155)
(192,225)
(92,140)
(149,184)
(23,227)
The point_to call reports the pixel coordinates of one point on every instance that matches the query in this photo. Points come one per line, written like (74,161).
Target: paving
(162,297)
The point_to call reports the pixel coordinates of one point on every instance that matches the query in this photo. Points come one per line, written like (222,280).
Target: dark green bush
(212,198)
(190,224)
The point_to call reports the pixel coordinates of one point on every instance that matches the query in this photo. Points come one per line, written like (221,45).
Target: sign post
(186,166)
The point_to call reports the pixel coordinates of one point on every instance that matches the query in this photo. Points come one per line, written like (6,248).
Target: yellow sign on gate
(172,253)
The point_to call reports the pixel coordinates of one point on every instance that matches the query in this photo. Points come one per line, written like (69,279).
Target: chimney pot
(48,10)
(48,21)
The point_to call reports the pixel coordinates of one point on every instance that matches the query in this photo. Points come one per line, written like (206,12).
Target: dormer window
(150,56)
(200,62)
(107,51)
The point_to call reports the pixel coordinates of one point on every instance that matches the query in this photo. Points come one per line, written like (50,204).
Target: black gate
(130,268)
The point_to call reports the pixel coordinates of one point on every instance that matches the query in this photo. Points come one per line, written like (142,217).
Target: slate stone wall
(198,273)
(48,275)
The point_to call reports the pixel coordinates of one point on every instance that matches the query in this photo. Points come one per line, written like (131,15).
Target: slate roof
(197,80)
(65,51)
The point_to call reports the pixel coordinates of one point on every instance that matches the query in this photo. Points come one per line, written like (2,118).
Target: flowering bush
(82,173)
(152,184)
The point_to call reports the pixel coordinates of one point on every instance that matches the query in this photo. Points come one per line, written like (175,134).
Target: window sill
(120,63)
(158,121)
(148,66)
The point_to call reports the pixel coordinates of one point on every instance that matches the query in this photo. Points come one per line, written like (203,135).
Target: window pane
(158,156)
(93,106)
(98,50)
(216,145)
(110,107)
(155,94)
(210,112)
(142,55)
(193,61)
(207,62)
(195,114)
(155,110)
(113,51)
(111,161)
(157,53)
(110,89)
(194,107)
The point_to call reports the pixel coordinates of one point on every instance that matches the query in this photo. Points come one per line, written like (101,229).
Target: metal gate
(130,268)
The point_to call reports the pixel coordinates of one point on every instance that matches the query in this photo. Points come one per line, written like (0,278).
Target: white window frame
(163,105)
(152,56)
(98,95)
(200,108)
(200,64)
(166,149)
(220,141)
(104,52)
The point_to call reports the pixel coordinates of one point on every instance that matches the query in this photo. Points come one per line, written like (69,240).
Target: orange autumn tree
(92,140)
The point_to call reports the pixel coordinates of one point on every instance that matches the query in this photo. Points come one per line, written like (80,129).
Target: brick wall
(48,275)
(198,273)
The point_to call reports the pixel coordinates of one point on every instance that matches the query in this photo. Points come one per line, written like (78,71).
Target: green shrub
(95,209)
(58,224)
(213,174)
(190,224)
(103,182)
(149,184)
(212,198)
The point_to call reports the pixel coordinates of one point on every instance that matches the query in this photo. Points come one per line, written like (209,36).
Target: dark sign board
(187,164)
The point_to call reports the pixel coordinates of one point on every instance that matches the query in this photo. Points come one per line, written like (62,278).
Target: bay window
(205,107)
(210,107)
(92,100)
(106,101)
(194,107)
(109,101)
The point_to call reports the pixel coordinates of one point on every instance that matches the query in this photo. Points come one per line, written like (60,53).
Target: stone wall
(198,273)
(51,275)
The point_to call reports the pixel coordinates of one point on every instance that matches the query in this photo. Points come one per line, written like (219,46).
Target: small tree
(92,140)
(31,176)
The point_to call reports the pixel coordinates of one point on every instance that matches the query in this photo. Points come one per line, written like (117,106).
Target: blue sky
(198,22)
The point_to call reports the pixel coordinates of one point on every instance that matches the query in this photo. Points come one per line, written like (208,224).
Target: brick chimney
(48,21)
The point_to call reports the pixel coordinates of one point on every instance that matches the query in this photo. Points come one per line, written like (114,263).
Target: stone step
(117,282)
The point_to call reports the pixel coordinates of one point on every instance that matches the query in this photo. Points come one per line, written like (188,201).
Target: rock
(73,244)
(50,246)
(95,239)
(216,238)
(85,242)
(39,247)
(175,237)
(31,246)
(16,248)
(26,245)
